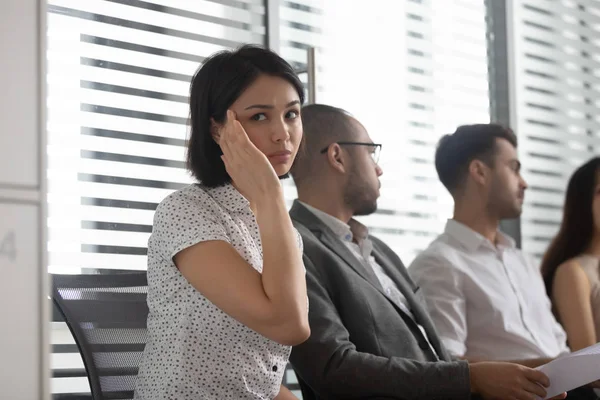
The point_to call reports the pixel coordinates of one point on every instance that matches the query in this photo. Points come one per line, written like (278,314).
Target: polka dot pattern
(195,350)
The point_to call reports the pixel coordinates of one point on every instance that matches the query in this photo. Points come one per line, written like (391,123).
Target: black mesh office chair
(107,317)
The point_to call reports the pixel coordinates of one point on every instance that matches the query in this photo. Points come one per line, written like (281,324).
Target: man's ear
(337,158)
(479,171)
(215,130)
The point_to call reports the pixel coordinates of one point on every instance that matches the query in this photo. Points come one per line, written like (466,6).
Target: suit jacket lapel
(336,245)
(409,291)
(304,216)
(404,286)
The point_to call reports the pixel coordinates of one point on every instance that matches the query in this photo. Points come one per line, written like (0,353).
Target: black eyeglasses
(374,154)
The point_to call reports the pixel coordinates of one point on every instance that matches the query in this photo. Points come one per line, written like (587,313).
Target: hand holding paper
(572,370)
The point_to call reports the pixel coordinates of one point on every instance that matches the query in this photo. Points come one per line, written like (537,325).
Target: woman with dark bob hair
(226,282)
(571,265)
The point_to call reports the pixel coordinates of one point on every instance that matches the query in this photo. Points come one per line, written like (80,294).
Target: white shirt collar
(472,240)
(339,228)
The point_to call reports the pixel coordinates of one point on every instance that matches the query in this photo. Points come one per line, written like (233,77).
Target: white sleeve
(182,221)
(441,284)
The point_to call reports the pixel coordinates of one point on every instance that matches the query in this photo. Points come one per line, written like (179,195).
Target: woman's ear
(214,130)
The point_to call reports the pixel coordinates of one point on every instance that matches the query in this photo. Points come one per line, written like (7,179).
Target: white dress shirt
(362,248)
(487,302)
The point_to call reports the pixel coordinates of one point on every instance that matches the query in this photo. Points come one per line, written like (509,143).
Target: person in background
(371,335)
(227,288)
(571,265)
(486,297)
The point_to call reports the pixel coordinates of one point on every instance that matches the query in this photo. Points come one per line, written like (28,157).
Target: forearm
(283,275)
(384,377)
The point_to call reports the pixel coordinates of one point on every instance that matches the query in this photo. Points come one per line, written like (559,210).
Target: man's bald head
(322,125)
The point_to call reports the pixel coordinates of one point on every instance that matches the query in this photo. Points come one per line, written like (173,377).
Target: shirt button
(274,368)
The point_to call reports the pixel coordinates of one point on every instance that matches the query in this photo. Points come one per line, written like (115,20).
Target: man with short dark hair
(486,298)
(371,336)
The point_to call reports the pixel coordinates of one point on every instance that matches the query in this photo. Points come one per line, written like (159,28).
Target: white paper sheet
(572,370)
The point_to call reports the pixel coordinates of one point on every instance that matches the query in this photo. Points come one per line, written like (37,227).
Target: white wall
(23,287)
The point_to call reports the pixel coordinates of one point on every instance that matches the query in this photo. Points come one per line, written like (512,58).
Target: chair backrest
(107,316)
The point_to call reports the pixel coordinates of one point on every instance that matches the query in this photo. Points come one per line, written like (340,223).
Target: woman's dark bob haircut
(217,84)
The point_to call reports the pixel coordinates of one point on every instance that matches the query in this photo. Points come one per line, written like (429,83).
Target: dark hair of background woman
(577,227)
(216,85)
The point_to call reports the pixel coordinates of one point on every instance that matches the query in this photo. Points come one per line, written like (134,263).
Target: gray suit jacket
(362,345)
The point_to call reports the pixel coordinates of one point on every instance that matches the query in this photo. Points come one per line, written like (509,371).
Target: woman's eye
(259,117)
(292,114)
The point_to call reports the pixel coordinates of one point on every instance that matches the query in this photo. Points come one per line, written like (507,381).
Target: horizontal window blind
(301,27)
(557,96)
(118,82)
(119,74)
(411,71)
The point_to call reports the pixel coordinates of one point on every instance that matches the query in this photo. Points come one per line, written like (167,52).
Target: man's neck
(478,219)
(331,206)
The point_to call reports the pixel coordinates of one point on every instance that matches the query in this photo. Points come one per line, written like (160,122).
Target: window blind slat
(556,83)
